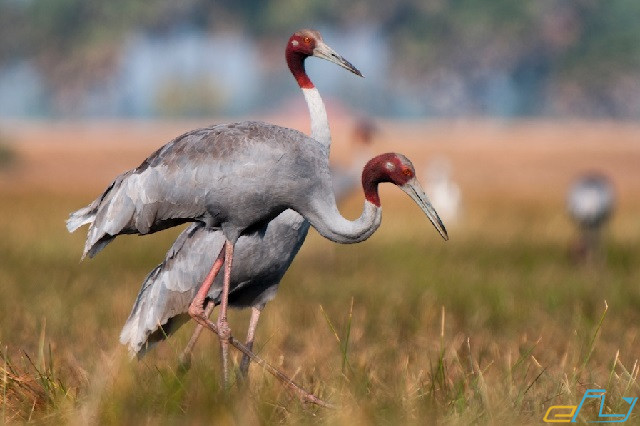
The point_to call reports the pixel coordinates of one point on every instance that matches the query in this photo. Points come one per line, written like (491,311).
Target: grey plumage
(260,261)
(163,191)
(262,255)
(236,188)
(236,180)
(197,177)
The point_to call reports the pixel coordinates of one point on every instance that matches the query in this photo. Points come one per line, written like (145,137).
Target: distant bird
(445,193)
(364,129)
(590,202)
(223,178)
(260,258)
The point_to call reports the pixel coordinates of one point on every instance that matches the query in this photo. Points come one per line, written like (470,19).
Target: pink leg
(253,323)
(196,309)
(184,360)
(223,325)
(301,393)
(197,312)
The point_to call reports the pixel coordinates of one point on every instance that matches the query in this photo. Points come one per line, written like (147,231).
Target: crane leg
(184,360)
(253,323)
(286,381)
(196,309)
(197,312)
(223,325)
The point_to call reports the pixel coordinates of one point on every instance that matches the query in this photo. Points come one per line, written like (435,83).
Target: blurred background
(522,119)
(435,58)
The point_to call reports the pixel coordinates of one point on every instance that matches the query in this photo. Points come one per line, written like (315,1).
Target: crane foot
(184,360)
(196,311)
(302,394)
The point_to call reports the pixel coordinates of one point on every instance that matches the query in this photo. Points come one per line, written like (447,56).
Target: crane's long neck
(319,122)
(332,225)
(323,213)
(320,130)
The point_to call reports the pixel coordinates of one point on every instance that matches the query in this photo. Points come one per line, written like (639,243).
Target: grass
(492,327)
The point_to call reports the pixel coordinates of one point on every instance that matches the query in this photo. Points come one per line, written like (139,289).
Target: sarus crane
(260,258)
(236,178)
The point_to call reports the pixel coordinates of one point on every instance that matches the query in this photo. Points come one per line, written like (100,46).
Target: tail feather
(153,314)
(81,217)
(161,306)
(88,214)
(134,203)
(95,248)
(97,236)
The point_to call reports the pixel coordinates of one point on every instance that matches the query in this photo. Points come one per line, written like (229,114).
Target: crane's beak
(325,52)
(415,191)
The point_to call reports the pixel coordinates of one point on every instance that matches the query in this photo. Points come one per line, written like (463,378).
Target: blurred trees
(574,57)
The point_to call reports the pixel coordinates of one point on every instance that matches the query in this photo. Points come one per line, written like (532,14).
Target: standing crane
(235,178)
(590,202)
(444,191)
(260,258)
(301,45)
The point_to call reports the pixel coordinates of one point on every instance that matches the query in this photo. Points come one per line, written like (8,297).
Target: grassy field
(492,327)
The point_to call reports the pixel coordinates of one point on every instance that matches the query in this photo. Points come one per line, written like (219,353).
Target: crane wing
(168,290)
(212,175)
(156,195)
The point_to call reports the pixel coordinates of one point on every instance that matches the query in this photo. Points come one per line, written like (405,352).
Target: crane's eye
(407,172)
(307,40)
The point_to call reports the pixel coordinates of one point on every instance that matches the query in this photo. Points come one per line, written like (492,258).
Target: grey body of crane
(260,261)
(261,257)
(260,172)
(229,177)
(236,178)
(172,185)
(233,181)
